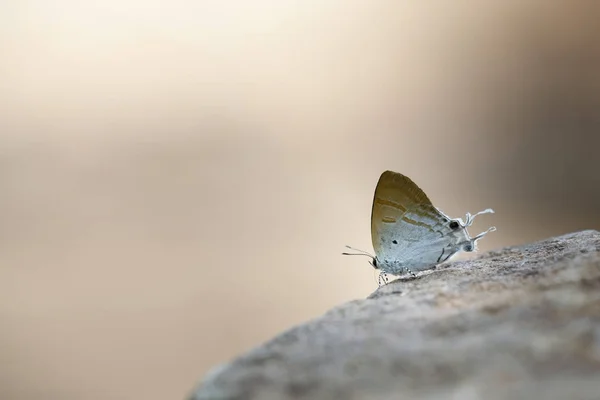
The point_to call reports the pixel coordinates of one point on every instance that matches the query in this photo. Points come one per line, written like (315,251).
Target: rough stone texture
(522,322)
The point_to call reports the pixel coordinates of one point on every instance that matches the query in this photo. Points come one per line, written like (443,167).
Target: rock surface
(522,322)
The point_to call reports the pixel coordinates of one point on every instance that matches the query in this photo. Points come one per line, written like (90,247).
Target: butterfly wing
(407,231)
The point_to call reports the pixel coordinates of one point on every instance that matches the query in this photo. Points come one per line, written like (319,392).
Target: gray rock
(522,322)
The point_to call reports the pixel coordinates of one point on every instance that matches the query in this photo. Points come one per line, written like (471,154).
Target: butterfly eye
(453,225)
(468,247)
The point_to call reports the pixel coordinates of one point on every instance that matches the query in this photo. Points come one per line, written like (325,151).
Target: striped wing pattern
(407,231)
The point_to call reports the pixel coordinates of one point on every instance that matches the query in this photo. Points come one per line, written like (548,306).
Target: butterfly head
(372,261)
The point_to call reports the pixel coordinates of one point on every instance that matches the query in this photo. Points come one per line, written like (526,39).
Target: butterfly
(409,233)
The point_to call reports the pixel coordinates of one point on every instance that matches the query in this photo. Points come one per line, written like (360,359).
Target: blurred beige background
(178,179)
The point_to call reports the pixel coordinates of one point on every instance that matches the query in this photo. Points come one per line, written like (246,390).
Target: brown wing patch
(394,195)
(417,223)
(400,189)
(389,203)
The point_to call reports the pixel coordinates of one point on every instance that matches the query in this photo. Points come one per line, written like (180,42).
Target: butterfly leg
(382,278)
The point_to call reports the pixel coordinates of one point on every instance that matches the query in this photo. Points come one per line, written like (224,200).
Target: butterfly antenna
(359,252)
